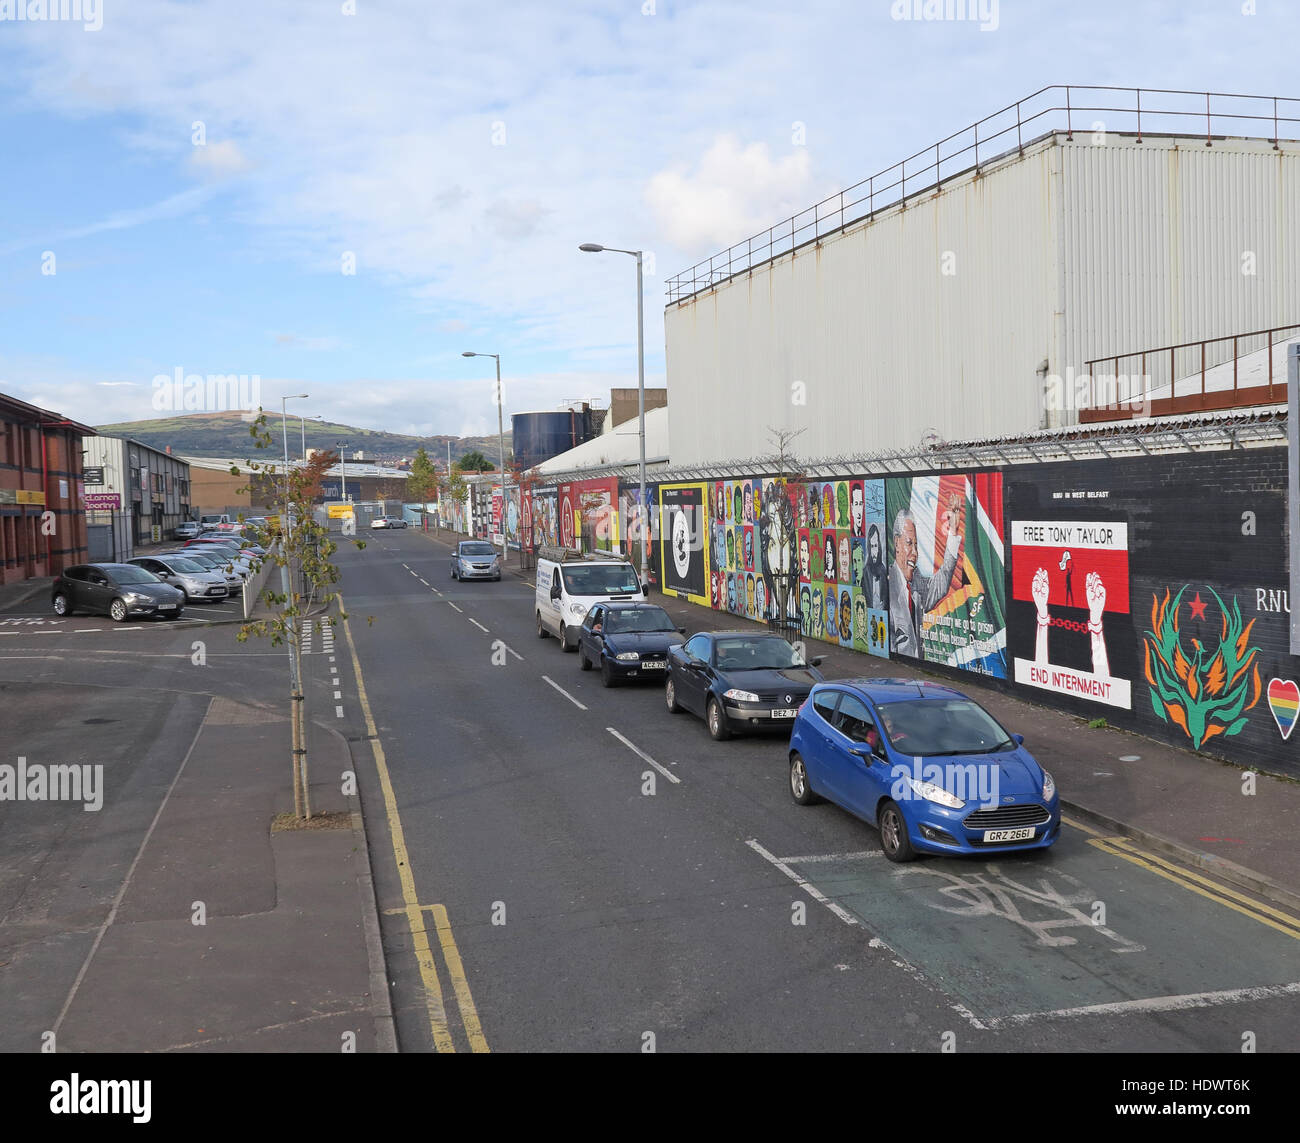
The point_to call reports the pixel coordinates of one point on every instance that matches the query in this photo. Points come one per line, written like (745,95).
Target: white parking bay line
(1154,1004)
(807,886)
(515,653)
(338,712)
(450,604)
(854,856)
(79,630)
(644,756)
(547,679)
(338,694)
(479,625)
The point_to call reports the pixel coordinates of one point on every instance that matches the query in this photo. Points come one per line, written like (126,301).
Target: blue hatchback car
(931,768)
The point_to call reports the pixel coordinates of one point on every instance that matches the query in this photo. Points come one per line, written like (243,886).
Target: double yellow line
(413,910)
(1208,888)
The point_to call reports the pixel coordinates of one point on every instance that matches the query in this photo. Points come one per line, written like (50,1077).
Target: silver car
(197,582)
(475,559)
(209,561)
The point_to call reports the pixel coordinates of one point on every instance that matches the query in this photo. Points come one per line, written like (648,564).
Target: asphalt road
(610,879)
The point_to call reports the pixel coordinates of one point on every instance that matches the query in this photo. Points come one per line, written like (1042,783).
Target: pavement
(184,916)
(1187,806)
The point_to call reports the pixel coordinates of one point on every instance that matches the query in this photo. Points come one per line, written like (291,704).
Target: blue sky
(461,152)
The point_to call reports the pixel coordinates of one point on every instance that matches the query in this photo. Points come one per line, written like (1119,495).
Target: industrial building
(135,494)
(963,292)
(42,526)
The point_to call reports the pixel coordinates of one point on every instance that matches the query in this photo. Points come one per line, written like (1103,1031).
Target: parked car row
(926,765)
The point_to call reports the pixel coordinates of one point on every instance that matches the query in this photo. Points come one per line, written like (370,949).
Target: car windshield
(927,727)
(601,579)
(477,550)
(204,561)
(761,653)
(133,575)
(186,565)
(640,619)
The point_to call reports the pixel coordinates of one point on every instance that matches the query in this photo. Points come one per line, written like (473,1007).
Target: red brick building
(42,520)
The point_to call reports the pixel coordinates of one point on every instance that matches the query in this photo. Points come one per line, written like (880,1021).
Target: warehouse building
(964,292)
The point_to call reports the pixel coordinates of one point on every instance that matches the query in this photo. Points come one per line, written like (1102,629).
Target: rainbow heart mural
(1284,702)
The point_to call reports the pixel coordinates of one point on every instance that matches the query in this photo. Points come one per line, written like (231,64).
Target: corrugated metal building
(962,305)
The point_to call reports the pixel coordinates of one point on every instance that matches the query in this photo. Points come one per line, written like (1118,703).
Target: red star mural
(1198,607)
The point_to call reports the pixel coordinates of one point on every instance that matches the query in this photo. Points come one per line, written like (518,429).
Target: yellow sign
(21,496)
(340,511)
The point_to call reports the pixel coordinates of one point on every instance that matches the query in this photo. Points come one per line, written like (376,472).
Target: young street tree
(422,483)
(301,549)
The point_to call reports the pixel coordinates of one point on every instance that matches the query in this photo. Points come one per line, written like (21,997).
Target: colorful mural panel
(946,571)
(684,567)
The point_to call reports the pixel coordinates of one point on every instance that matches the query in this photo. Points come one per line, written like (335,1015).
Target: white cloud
(734,192)
(220,160)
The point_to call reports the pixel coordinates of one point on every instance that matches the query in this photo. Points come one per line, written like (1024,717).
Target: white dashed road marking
(479,625)
(644,756)
(559,688)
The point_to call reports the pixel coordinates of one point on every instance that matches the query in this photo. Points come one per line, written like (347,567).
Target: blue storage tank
(540,436)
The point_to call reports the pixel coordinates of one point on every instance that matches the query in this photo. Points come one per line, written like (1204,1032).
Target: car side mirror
(555,593)
(1019,739)
(681,630)
(816,660)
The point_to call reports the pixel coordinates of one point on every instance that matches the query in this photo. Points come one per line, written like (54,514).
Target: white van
(568,583)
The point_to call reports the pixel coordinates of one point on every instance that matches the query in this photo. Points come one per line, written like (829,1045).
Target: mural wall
(1139,597)
(1114,589)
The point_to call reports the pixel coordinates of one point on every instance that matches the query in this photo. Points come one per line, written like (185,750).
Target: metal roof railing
(1141,111)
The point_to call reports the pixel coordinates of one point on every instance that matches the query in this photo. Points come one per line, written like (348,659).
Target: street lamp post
(342,446)
(501,444)
(596,248)
(303,419)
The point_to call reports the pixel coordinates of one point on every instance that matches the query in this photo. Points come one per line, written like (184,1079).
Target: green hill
(226,435)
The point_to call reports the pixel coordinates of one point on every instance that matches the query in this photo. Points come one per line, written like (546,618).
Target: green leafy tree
(475,461)
(301,549)
(422,481)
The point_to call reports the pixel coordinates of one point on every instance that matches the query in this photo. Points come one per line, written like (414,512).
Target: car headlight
(577,610)
(136,597)
(740,696)
(1049,787)
(628,656)
(937,794)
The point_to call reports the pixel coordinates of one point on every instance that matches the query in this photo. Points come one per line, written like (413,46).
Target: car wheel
(541,627)
(117,611)
(719,731)
(62,605)
(584,664)
(564,639)
(606,672)
(893,834)
(670,697)
(800,790)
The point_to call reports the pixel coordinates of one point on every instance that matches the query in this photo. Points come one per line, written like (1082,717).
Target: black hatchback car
(119,591)
(627,641)
(739,680)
